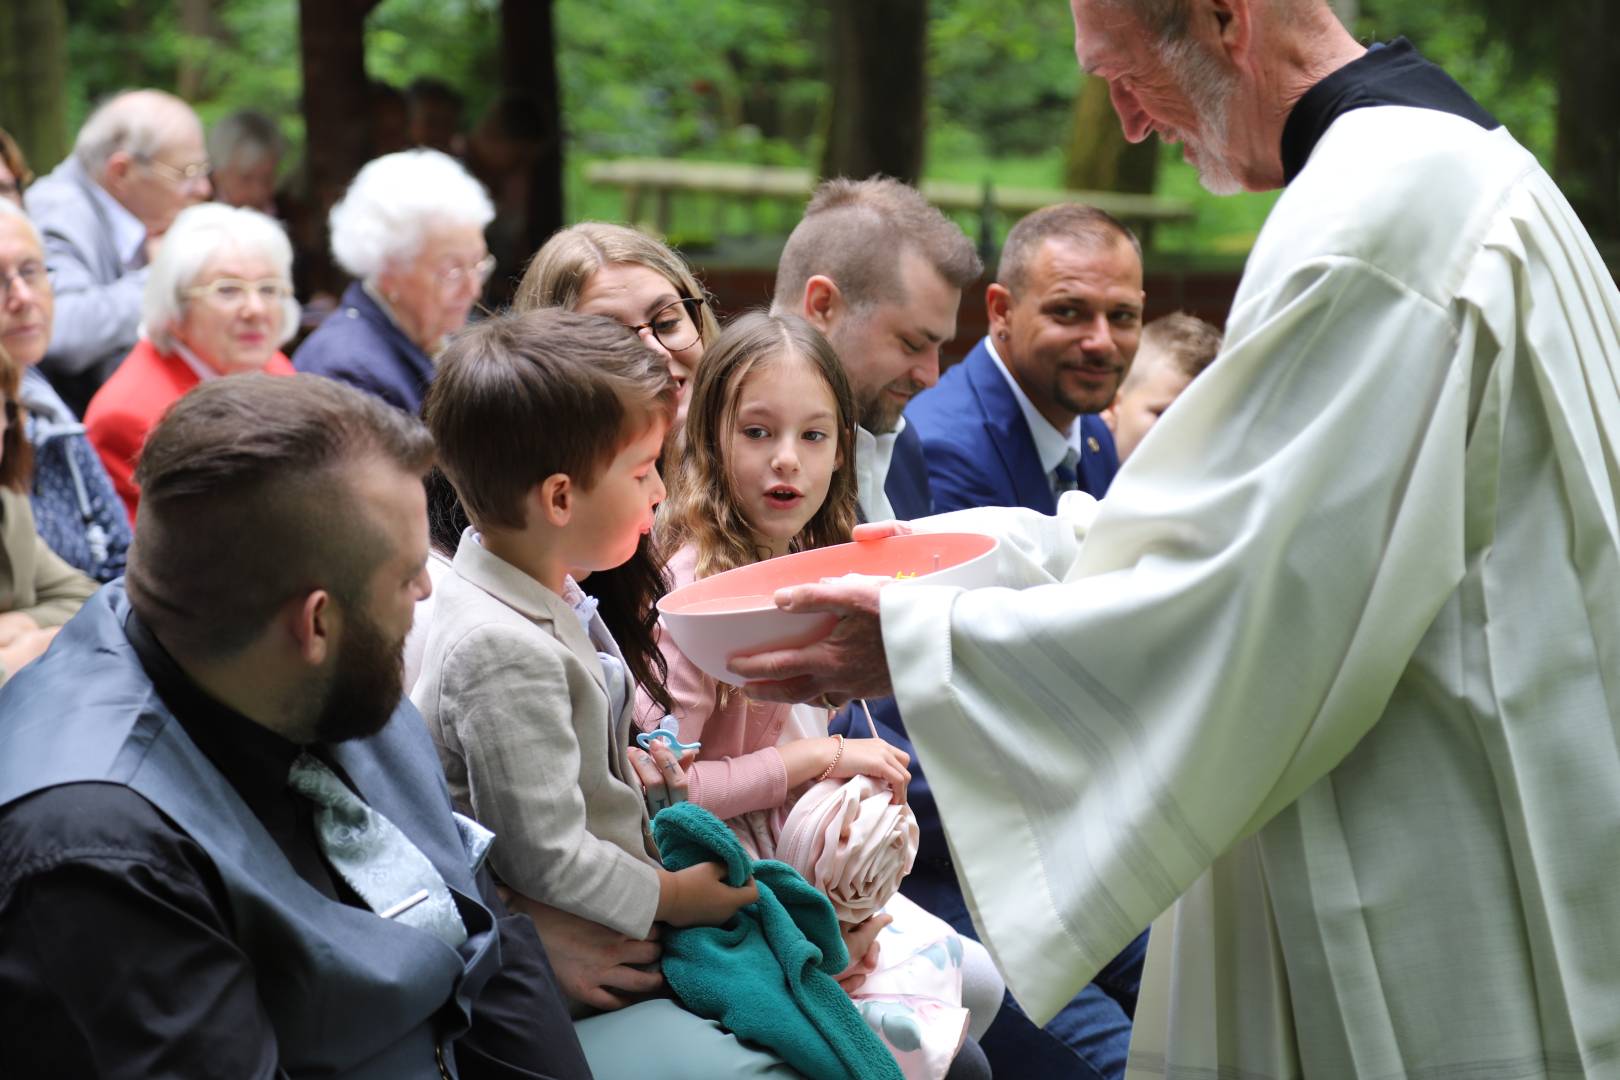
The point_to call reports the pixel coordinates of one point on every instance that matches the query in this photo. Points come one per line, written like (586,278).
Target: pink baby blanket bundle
(855,844)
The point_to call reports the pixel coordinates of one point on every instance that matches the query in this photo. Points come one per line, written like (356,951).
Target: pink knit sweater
(739,768)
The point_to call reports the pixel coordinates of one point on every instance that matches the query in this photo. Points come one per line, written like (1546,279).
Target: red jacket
(130,404)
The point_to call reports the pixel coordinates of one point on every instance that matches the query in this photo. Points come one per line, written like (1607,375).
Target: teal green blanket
(767,975)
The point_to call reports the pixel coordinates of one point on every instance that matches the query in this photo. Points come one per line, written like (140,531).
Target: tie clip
(405,905)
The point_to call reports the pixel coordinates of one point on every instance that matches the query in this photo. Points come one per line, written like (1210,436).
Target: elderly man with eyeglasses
(410,229)
(137,162)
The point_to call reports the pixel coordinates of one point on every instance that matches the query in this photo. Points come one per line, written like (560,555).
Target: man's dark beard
(366,683)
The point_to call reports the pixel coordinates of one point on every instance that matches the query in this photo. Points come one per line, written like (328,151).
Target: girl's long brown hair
(702,506)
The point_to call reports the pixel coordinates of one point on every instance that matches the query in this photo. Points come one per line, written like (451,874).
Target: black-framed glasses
(181,175)
(31,274)
(675,325)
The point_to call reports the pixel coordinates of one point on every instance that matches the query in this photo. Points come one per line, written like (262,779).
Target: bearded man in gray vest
(228,847)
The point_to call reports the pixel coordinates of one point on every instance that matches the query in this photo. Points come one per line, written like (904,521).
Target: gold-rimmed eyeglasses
(31,274)
(181,175)
(234,292)
(452,278)
(675,325)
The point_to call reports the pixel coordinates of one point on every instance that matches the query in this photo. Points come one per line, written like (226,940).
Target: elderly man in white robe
(1331,679)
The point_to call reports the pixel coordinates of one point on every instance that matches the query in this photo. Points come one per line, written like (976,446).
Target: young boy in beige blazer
(549,426)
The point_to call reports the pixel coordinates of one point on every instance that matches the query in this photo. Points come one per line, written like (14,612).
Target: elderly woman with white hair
(218,302)
(411,230)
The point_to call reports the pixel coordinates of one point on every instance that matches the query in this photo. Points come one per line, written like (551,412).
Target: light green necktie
(378,861)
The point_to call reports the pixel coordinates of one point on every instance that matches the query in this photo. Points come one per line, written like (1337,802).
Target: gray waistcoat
(349,994)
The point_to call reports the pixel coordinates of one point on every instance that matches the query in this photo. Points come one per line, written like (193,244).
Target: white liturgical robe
(1326,678)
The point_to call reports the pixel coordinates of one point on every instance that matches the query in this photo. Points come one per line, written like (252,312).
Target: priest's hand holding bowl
(848,663)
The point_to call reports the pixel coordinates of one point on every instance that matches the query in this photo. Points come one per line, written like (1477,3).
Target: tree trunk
(529,65)
(1587,159)
(337,120)
(33,77)
(879,89)
(200,24)
(1098,157)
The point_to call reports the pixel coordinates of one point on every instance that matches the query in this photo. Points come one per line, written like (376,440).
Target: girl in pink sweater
(768,468)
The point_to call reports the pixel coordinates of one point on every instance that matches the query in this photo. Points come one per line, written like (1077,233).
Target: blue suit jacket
(979,448)
(360,345)
(907,484)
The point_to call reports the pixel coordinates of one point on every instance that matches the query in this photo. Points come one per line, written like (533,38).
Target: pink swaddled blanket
(853,841)
(854,844)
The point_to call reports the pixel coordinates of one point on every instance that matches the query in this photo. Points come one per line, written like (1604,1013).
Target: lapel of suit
(1004,422)
(110,257)
(1099,461)
(529,598)
(907,482)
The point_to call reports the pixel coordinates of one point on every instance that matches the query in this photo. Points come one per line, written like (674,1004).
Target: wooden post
(880,89)
(529,65)
(337,115)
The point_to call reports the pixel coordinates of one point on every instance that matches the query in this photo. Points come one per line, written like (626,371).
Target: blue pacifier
(668,731)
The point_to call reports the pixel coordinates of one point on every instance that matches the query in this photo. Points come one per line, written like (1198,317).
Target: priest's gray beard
(1209,89)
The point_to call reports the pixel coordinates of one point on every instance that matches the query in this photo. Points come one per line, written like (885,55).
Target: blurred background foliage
(746,81)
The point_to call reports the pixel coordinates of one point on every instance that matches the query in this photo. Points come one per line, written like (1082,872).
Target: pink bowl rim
(990,545)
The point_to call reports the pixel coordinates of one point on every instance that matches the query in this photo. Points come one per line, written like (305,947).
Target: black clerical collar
(1393,74)
(251,757)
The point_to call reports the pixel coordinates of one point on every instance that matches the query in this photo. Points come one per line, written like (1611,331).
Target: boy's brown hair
(520,397)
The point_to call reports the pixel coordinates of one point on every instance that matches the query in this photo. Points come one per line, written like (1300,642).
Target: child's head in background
(1174,349)
(769,464)
(549,426)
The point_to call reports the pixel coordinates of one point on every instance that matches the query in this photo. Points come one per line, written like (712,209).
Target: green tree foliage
(1507,66)
(117,44)
(740,80)
(1003,76)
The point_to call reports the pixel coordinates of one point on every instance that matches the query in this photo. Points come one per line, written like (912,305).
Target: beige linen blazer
(517,704)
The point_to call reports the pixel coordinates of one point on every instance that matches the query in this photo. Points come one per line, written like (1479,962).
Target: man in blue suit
(1016,424)
(1000,429)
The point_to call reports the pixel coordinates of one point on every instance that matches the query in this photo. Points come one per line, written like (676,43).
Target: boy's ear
(554,499)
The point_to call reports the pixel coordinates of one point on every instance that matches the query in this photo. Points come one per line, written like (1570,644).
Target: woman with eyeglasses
(218,302)
(38,591)
(410,229)
(600,269)
(75,507)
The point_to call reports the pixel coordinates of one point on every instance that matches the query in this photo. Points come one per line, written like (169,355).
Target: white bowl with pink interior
(735,612)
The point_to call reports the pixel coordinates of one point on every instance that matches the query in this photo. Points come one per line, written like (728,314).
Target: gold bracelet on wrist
(837,757)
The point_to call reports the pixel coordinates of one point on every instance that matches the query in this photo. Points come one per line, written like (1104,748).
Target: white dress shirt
(873,453)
